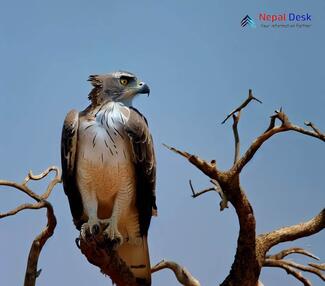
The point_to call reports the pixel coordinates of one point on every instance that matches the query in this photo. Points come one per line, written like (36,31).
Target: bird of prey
(109,169)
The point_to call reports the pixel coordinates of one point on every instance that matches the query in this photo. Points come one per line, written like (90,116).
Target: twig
(312,126)
(224,202)
(196,194)
(244,104)
(56,180)
(236,136)
(292,250)
(236,120)
(182,274)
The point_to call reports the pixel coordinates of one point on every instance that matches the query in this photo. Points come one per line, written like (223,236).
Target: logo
(247,21)
(278,20)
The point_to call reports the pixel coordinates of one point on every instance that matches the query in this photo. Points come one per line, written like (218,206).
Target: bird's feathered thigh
(105,162)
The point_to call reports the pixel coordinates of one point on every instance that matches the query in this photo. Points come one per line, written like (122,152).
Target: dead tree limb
(242,106)
(31,269)
(196,194)
(314,270)
(290,233)
(236,136)
(297,250)
(286,125)
(318,266)
(251,249)
(290,270)
(182,274)
(277,260)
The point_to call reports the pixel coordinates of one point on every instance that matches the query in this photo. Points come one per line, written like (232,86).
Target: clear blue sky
(199,64)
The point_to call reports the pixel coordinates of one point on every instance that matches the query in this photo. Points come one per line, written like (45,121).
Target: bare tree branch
(56,180)
(244,104)
(22,207)
(236,136)
(318,266)
(182,274)
(299,129)
(272,130)
(292,250)
(313,270)
(252,249)
(21,187)
(312,126)
(196,194)
(207,168)
(224,201)
(26,190)
(31,269)
(288,269)
(293,232)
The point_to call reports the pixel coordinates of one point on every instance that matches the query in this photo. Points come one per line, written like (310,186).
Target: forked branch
(31,270)
(243,105)
(290,270)
(286,125)
(217,188)
(196,194)
(292,267)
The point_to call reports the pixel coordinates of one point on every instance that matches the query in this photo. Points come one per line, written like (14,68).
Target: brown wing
(145,166)
(68,160)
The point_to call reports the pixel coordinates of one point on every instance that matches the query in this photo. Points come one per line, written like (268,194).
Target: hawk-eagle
(109,168)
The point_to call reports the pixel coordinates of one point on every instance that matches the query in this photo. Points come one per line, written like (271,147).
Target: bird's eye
(124,81)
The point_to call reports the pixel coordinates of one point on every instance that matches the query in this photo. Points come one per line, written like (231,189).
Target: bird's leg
(91,227)
(133,229)
(121,203)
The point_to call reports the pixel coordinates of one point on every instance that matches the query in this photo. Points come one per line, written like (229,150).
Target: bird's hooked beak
(143,88)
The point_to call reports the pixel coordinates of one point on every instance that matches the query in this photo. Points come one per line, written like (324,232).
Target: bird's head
(116,86)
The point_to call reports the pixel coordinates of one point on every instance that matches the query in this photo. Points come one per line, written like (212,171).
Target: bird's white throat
(112,113)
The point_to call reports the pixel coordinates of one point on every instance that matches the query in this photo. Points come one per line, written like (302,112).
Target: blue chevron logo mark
(247,20)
